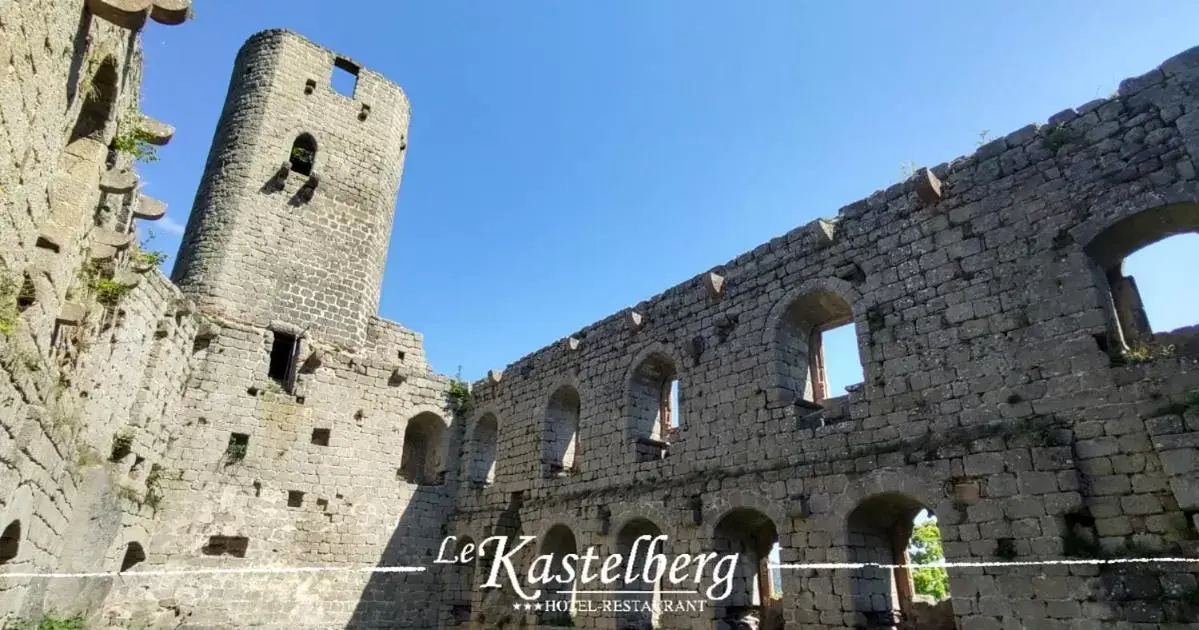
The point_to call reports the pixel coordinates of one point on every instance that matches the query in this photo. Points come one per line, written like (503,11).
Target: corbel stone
(71,314)
(928,187)
(823,232)
(494,376)
(52,239)
(155,131)
(118,182)
(714,282)
(126,278)
(113,238)
(150,209)
(208,331)
(132,14)
(635,320)
(100,251)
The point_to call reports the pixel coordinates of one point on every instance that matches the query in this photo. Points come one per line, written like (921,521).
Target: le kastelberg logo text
(541,571)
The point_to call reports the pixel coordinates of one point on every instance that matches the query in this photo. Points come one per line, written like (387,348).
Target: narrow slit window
(303,154)
(345,77)
(283,359)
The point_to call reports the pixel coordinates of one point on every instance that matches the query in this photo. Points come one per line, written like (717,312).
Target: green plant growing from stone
(108,292)
(9,312)
(982,137)
(49,622)
(908,168)
(148,258)
(122,445)
(301,154)
(235,452)
(925,548)
(1142,353)
(154,486)
(459,396)
(1057,136)
(134,141)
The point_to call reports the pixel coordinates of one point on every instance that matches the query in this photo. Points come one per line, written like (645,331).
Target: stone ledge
(132,14)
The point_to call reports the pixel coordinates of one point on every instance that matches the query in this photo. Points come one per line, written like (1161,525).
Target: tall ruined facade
(254,412)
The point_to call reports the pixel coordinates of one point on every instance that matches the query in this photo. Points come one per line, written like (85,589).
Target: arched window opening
(653,407)
(814,324)
(462,580)
(753,536)
(558,598)
(421,460)
(134,554)
(635,542)
(892,528)
(561,433)
(1162,316)
(100,99)
(1154,246)
(303,154)
(10,542)
(481,450)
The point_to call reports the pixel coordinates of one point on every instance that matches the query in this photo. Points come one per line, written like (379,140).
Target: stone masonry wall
(1007,384)
(91,339)
(993,393)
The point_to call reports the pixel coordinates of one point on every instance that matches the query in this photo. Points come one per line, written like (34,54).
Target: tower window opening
(345,77)
(283,359)
(303,154)
(320,437)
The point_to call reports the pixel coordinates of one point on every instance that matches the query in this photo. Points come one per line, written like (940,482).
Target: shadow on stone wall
(408,600)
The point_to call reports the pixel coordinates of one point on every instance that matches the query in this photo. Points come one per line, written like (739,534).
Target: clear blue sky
(569,158)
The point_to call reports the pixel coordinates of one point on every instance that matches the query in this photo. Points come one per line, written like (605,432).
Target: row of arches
(817,344)
(655,392)
(878,530)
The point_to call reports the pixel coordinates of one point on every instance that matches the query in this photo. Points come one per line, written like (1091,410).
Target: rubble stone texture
(255,412)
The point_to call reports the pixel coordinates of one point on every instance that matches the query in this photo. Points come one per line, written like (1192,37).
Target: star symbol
(516,606)
(528,606)
(537,606)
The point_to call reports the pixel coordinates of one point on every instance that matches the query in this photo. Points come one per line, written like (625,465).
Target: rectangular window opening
(345,77)
(226,546)
(284,349)
(295,498)
(320,437)
(831,380)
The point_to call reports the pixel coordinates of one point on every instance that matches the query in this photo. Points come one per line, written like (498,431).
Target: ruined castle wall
(254,225)
(988,396)
(298,501)
(338,459)
(74,364)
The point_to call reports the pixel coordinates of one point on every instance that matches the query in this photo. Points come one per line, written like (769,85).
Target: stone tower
(291,221)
